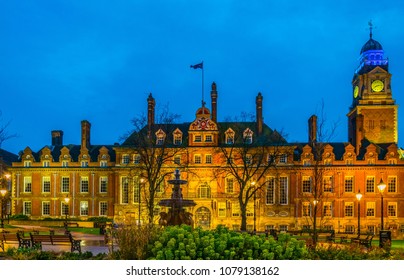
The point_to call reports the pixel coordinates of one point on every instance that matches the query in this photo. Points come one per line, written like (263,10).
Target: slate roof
(7,157)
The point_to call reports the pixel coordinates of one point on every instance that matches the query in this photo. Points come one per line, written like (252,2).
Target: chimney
(213,97)
(313,129)
(359,132)
(258,103)
(150,111)
(85,134)
(57,137)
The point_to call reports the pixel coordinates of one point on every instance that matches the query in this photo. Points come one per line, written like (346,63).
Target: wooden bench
(14,238)
(37,240)
(70,224)
(363,239)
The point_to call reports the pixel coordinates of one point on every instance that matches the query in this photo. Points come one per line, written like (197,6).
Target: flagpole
(203,99)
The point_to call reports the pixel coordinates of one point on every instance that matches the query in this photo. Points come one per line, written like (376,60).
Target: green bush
(34,254)
(20,217)
(184,243)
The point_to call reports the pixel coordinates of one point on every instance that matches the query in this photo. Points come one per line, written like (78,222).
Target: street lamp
(381,186)
(315,202)
(358,197)
(3,193)
(67,200)
(255,212)
(142,180)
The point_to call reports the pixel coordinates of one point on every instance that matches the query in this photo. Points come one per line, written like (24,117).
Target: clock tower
(373,113)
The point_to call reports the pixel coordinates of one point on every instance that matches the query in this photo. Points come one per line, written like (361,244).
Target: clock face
(356,92)
(377,85)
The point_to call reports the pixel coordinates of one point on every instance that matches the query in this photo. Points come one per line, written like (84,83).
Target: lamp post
(381,186)
(255,213)
(67,200)
(142,180)
(315,202)
(3,193)
(358,197)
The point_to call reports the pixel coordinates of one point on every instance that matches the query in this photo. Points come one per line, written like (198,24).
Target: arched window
(204,191)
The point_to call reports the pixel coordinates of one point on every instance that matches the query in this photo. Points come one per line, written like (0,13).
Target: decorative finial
(370,28)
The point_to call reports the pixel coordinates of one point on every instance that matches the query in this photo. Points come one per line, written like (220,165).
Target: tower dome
(371,45)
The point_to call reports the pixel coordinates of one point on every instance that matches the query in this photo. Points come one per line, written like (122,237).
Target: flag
(196,66)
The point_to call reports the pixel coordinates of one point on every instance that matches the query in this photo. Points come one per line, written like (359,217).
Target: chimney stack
(57,137)
(150,111)
(85,134)
(313,129)
(258,103)
(213,96)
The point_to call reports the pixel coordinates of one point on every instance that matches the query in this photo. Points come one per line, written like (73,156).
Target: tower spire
(370,28)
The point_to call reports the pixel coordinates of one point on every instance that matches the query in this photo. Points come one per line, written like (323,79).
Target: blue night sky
(65,61)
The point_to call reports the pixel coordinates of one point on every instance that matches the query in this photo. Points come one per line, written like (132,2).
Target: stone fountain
(176,214)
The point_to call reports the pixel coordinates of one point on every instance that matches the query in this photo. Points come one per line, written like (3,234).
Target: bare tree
(4,134)
(248,158)
(155,151)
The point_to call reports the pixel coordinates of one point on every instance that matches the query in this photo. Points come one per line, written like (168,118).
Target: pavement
(89,242)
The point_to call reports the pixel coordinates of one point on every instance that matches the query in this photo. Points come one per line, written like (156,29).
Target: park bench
(37,240)
(363,239)
(71,224)
(15,237)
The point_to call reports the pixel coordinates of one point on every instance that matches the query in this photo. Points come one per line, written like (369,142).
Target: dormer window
(136,159)
(208,138)
(160,137)
(84,163)
(125,159)
(248,136)
(198,138)
(177,137)
(229,136)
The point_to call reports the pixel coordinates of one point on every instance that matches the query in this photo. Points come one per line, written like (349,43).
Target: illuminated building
(109,180)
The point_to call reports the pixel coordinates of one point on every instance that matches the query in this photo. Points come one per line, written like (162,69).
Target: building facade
(234,170)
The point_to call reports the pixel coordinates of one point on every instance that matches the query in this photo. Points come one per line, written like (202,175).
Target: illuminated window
(370,184)
(327,209)
(160,137)
(46,163)
(349,229)
(103,184)
(248,159)
(124,190)
(27,208)
(177,159)
(125,159)
(208,159)
(64,209)
(204,191)
(27,163)
(283,190)
(370,209)
(136,159)
(348,210)
(208,138)
(177,137)
(283,158)
(103,163)
(327,184)
(392,209)
(229,134)
(248,136)
(65,184)
(306,209)
(306,184)
(103,208)
(391,184)
(84,184)
(197,159)
(27,184)
(136,191)
(229,185)
(221,209)
(348,184)
(46,206)
(198,138)
(270,194)
(84,163)
(65,163)
(83,208)
(46,184)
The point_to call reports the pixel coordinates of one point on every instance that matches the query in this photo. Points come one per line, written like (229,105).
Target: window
(125,159)
(84,184)
(27,163)
(392,209)
(208,138)
(46,184)
(197,159)
(84,163)
(229,135)
(65,163)
(46,163)
(283,228)
(198,138)
(371,229)
(83,208)
(306,184)
(283,158)
(208,159)
(235,211)
(204,191)
(27,184)
(370,184)
(65,209)
(103,163)
(177,159)
(136,159)
(306,209)
(46,208)
(370,209)
(103,184)
(221,211)
(348,186)
(248,136)
(124,190)
(65,184)
(103,208)
(248,159)
(371,124)
(136,191)
(270,194)
(327,209)
(391,184)
(229,185)
(283,190)
(327,184)
(348,209)
(177,138)
(160,136)
(27,208)
(349,229)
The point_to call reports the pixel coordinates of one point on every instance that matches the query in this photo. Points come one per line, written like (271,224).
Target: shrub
(20,217)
